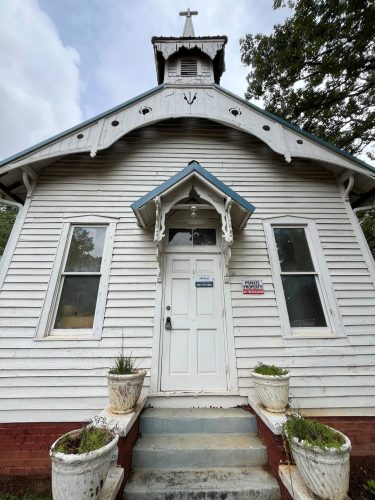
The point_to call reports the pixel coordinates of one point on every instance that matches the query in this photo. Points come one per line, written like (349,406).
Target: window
(299,278)
(302,283)
(75,301)
(192,237)
(80,278)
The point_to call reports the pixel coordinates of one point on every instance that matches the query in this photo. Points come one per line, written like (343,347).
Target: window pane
(204,237)
(303,301)
(77,302)
(293,250)
(179,237)
(86,249)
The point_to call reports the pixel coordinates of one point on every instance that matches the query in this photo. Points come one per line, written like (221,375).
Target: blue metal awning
(245,208)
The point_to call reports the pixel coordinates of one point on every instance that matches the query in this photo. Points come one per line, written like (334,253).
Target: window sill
(317,335)
(69,336)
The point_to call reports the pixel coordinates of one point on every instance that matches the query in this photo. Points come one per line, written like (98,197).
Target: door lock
(168,323)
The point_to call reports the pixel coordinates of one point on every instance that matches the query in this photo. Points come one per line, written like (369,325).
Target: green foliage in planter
(370,486)
(88,439)
(272,370)
(312,432)
(124,365)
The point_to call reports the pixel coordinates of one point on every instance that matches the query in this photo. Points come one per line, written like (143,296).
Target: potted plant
(80,462)
(321,455)
(272,386)
(124,384)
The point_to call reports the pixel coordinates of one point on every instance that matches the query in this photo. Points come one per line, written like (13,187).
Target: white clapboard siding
(57,380)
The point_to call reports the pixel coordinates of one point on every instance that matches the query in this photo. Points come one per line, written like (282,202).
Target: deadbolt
(168,323)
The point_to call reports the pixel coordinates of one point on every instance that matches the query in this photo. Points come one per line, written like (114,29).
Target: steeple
(188,28)
(189,59)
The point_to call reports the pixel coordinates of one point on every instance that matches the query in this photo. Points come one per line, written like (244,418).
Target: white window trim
(45,325)
(330,307)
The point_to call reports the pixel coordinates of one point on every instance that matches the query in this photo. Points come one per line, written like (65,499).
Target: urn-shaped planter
(272,391)
(124,390)
(324,471)
(80,476)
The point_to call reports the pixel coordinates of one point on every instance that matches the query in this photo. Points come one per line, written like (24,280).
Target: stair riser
(154,425)
(206,495)
(180,459)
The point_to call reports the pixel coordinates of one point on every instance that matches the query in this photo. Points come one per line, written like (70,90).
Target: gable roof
(154,90)
(193,166)
(244,208)
(167,101)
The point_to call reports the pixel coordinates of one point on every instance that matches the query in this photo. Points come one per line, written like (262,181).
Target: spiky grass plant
(123,365)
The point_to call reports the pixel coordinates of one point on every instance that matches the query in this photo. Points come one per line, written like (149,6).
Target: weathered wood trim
(53,292)
(328,300)
(13,240)
(211,102)
(366,252)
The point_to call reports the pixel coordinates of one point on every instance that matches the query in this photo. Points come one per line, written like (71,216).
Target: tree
(7,217)
(317,70)
(367,221)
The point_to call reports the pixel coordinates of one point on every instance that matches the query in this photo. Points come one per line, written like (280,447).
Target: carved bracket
(227,236)
(29,178)
(349,178)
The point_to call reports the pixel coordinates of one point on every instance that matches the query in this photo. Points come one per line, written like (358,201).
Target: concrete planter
(82,476)
(272,391)
(124,391)
(325,472)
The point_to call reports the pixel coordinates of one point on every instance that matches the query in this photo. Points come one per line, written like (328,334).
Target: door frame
(157,344)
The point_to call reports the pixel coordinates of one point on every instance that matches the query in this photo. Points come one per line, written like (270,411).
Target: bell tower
(189,59)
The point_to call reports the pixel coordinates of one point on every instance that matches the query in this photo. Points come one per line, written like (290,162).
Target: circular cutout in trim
(299,141)
(235,112)
(115,123)
(267,128)
(80,136)
(145,110)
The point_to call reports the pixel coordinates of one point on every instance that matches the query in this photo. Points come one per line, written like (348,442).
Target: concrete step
(247,483)
(179,451)
(197,420)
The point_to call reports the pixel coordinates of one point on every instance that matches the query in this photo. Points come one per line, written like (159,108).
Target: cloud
(39,78)
(125,60)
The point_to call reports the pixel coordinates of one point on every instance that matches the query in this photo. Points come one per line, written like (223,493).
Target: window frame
(45,328)
(323,281)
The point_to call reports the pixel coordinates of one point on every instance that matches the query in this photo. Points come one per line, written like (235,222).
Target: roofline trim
(299,130)
(90,121)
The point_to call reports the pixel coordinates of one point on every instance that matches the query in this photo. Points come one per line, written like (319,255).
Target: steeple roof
(211,46)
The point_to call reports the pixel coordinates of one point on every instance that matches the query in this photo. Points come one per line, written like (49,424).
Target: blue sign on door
(204,282)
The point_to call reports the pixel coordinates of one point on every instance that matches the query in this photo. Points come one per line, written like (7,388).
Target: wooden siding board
(72,372)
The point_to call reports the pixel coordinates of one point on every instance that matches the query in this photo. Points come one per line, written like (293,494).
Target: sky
(65,61)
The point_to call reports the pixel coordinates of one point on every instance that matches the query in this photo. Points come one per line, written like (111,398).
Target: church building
(199,234)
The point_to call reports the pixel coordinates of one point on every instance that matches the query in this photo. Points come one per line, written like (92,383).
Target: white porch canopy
(151,210)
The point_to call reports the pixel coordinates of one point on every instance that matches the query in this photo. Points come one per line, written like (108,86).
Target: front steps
(199,453)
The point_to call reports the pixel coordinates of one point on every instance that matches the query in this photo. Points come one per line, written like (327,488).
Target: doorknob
(168,323)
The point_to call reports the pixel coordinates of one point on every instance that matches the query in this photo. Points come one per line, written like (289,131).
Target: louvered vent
(189,67)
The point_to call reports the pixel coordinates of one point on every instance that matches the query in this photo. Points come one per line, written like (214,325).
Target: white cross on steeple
(189,28)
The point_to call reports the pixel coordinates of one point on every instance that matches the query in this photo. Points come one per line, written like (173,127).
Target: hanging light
(193,211)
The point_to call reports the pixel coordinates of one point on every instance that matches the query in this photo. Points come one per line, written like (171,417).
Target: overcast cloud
(64,61)
(39,77)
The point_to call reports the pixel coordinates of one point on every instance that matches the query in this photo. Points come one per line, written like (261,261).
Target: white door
(193,357)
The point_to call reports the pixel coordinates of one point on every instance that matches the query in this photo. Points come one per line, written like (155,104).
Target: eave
(168,101)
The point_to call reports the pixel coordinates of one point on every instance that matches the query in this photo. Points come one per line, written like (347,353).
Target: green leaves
(7,217)
(367,221)
(317,70)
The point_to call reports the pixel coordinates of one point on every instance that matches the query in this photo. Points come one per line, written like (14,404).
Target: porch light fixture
(193,211)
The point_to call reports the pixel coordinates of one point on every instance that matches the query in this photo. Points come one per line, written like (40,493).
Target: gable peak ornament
(188,28)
